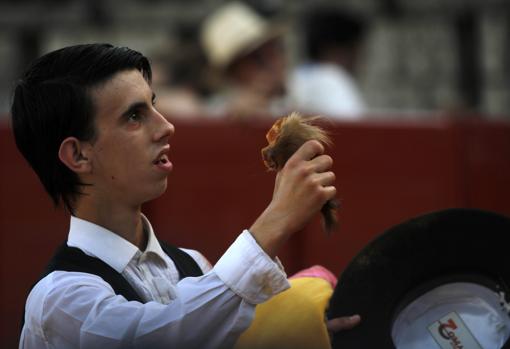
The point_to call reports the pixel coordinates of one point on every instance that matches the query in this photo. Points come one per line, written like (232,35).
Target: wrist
(269,232)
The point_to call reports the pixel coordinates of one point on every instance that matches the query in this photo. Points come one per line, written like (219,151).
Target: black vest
(73,259)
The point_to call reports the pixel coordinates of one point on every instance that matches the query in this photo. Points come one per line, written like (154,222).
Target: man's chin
(157,192)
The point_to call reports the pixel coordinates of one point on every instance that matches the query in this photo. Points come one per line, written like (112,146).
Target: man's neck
(123,221)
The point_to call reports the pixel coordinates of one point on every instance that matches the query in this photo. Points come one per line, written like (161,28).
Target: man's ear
(73,153)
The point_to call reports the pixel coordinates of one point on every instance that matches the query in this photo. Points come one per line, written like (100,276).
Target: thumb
(308,150)
(276,183)
(343,323)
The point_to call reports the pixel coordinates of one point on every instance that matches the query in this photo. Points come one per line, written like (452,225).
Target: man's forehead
(125,79)
(120,90)
(123,84)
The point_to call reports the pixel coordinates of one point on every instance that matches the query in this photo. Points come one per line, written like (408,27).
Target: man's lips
(162,161)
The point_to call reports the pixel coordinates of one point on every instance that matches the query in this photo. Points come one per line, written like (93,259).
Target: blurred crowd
(236,65)
(249,59)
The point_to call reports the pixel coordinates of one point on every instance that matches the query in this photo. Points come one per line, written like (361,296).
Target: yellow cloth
(293,319)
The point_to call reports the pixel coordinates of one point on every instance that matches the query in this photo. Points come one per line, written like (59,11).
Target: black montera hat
(436,281)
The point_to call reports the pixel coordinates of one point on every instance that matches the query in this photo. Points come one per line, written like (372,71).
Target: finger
(321,163)
(325,178)
(330,192)
(308,150)
(343,323)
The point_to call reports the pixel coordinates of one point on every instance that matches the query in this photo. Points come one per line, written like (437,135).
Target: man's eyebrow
(134,107)
(137,106)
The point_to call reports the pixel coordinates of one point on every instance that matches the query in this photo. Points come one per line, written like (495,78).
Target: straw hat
(232,31)
(434,282)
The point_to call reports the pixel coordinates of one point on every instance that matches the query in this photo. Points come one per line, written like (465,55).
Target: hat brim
(439,247)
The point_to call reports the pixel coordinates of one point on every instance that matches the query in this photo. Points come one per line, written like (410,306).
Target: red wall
(386,172)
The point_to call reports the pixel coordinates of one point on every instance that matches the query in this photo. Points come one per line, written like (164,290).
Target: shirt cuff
(249,271)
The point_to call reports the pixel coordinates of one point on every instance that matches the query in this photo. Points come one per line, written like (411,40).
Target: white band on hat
(457,315)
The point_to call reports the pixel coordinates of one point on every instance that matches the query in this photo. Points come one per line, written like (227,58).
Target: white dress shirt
(80,310)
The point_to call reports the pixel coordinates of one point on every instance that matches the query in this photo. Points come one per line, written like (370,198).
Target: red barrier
(386,173)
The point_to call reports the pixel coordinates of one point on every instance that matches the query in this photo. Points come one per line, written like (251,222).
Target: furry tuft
(285,137)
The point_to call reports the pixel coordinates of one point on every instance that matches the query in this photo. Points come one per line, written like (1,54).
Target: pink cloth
(317,271)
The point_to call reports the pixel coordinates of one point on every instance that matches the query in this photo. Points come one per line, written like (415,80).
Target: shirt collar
(109,247)
(153,245)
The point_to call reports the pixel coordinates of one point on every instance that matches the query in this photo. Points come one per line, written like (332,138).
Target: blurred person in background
(248,52)
(179,72)
(325,83)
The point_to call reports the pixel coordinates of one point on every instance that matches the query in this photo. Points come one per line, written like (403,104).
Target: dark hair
(327,27)
(52,101)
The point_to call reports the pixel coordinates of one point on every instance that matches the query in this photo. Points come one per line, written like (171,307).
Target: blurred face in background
(262,70)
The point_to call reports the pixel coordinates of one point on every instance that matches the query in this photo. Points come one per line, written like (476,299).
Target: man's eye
(135,117)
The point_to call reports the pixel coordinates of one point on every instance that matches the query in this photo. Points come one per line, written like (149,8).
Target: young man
(85,120)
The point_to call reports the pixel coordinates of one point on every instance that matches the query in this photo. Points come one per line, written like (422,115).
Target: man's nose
(164,128)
